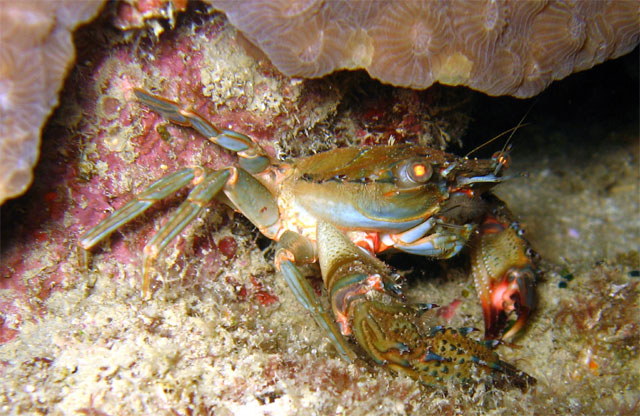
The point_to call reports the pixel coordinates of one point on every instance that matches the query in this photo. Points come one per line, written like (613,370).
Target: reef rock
(497,46)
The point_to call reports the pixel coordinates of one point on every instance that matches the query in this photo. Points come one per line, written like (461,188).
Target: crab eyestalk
(502,160)
(504,275)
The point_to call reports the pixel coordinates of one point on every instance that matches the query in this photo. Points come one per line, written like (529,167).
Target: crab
(342,207)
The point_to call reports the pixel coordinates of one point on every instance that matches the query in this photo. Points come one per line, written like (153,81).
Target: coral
(496,46)
(36,51)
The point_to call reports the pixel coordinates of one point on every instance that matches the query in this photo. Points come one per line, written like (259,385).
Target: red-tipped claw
(513,295)
(504,275)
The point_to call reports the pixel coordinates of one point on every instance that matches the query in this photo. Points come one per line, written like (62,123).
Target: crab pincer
(503,268)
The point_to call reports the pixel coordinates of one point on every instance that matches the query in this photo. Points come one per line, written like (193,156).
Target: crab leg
(295,249)
(387,328)
(445,241)
(252,158)
(157,191)
(243,191)
(209,186)
(415,233)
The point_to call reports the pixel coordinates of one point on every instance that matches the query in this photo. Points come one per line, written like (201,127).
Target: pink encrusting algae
(131,14)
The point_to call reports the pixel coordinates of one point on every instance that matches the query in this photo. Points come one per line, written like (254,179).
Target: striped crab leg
(242,190)
(252,157)
(244,193)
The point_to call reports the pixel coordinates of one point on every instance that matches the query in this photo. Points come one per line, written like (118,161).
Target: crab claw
(513,294)
(504,276)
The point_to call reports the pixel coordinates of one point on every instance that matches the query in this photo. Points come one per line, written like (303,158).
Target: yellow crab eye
(413,172)
(420,172)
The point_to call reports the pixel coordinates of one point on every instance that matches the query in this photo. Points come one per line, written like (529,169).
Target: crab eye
(413,172)
(420,172)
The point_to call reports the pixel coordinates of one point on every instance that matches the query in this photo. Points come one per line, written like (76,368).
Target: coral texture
(36,50)
(500,47)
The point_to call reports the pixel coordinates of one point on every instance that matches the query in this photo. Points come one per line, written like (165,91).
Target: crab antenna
(520,123)
(512,130)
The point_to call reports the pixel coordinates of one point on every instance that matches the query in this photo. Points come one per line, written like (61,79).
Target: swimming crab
(339,209)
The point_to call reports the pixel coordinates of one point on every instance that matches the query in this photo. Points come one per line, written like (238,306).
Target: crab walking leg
(252,158)
(245,193)
(387,328)
(157,191)
(294,249)
(210,183)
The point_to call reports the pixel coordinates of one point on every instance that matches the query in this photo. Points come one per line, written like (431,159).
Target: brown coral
(497,46)
(36,51)
(409,41)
